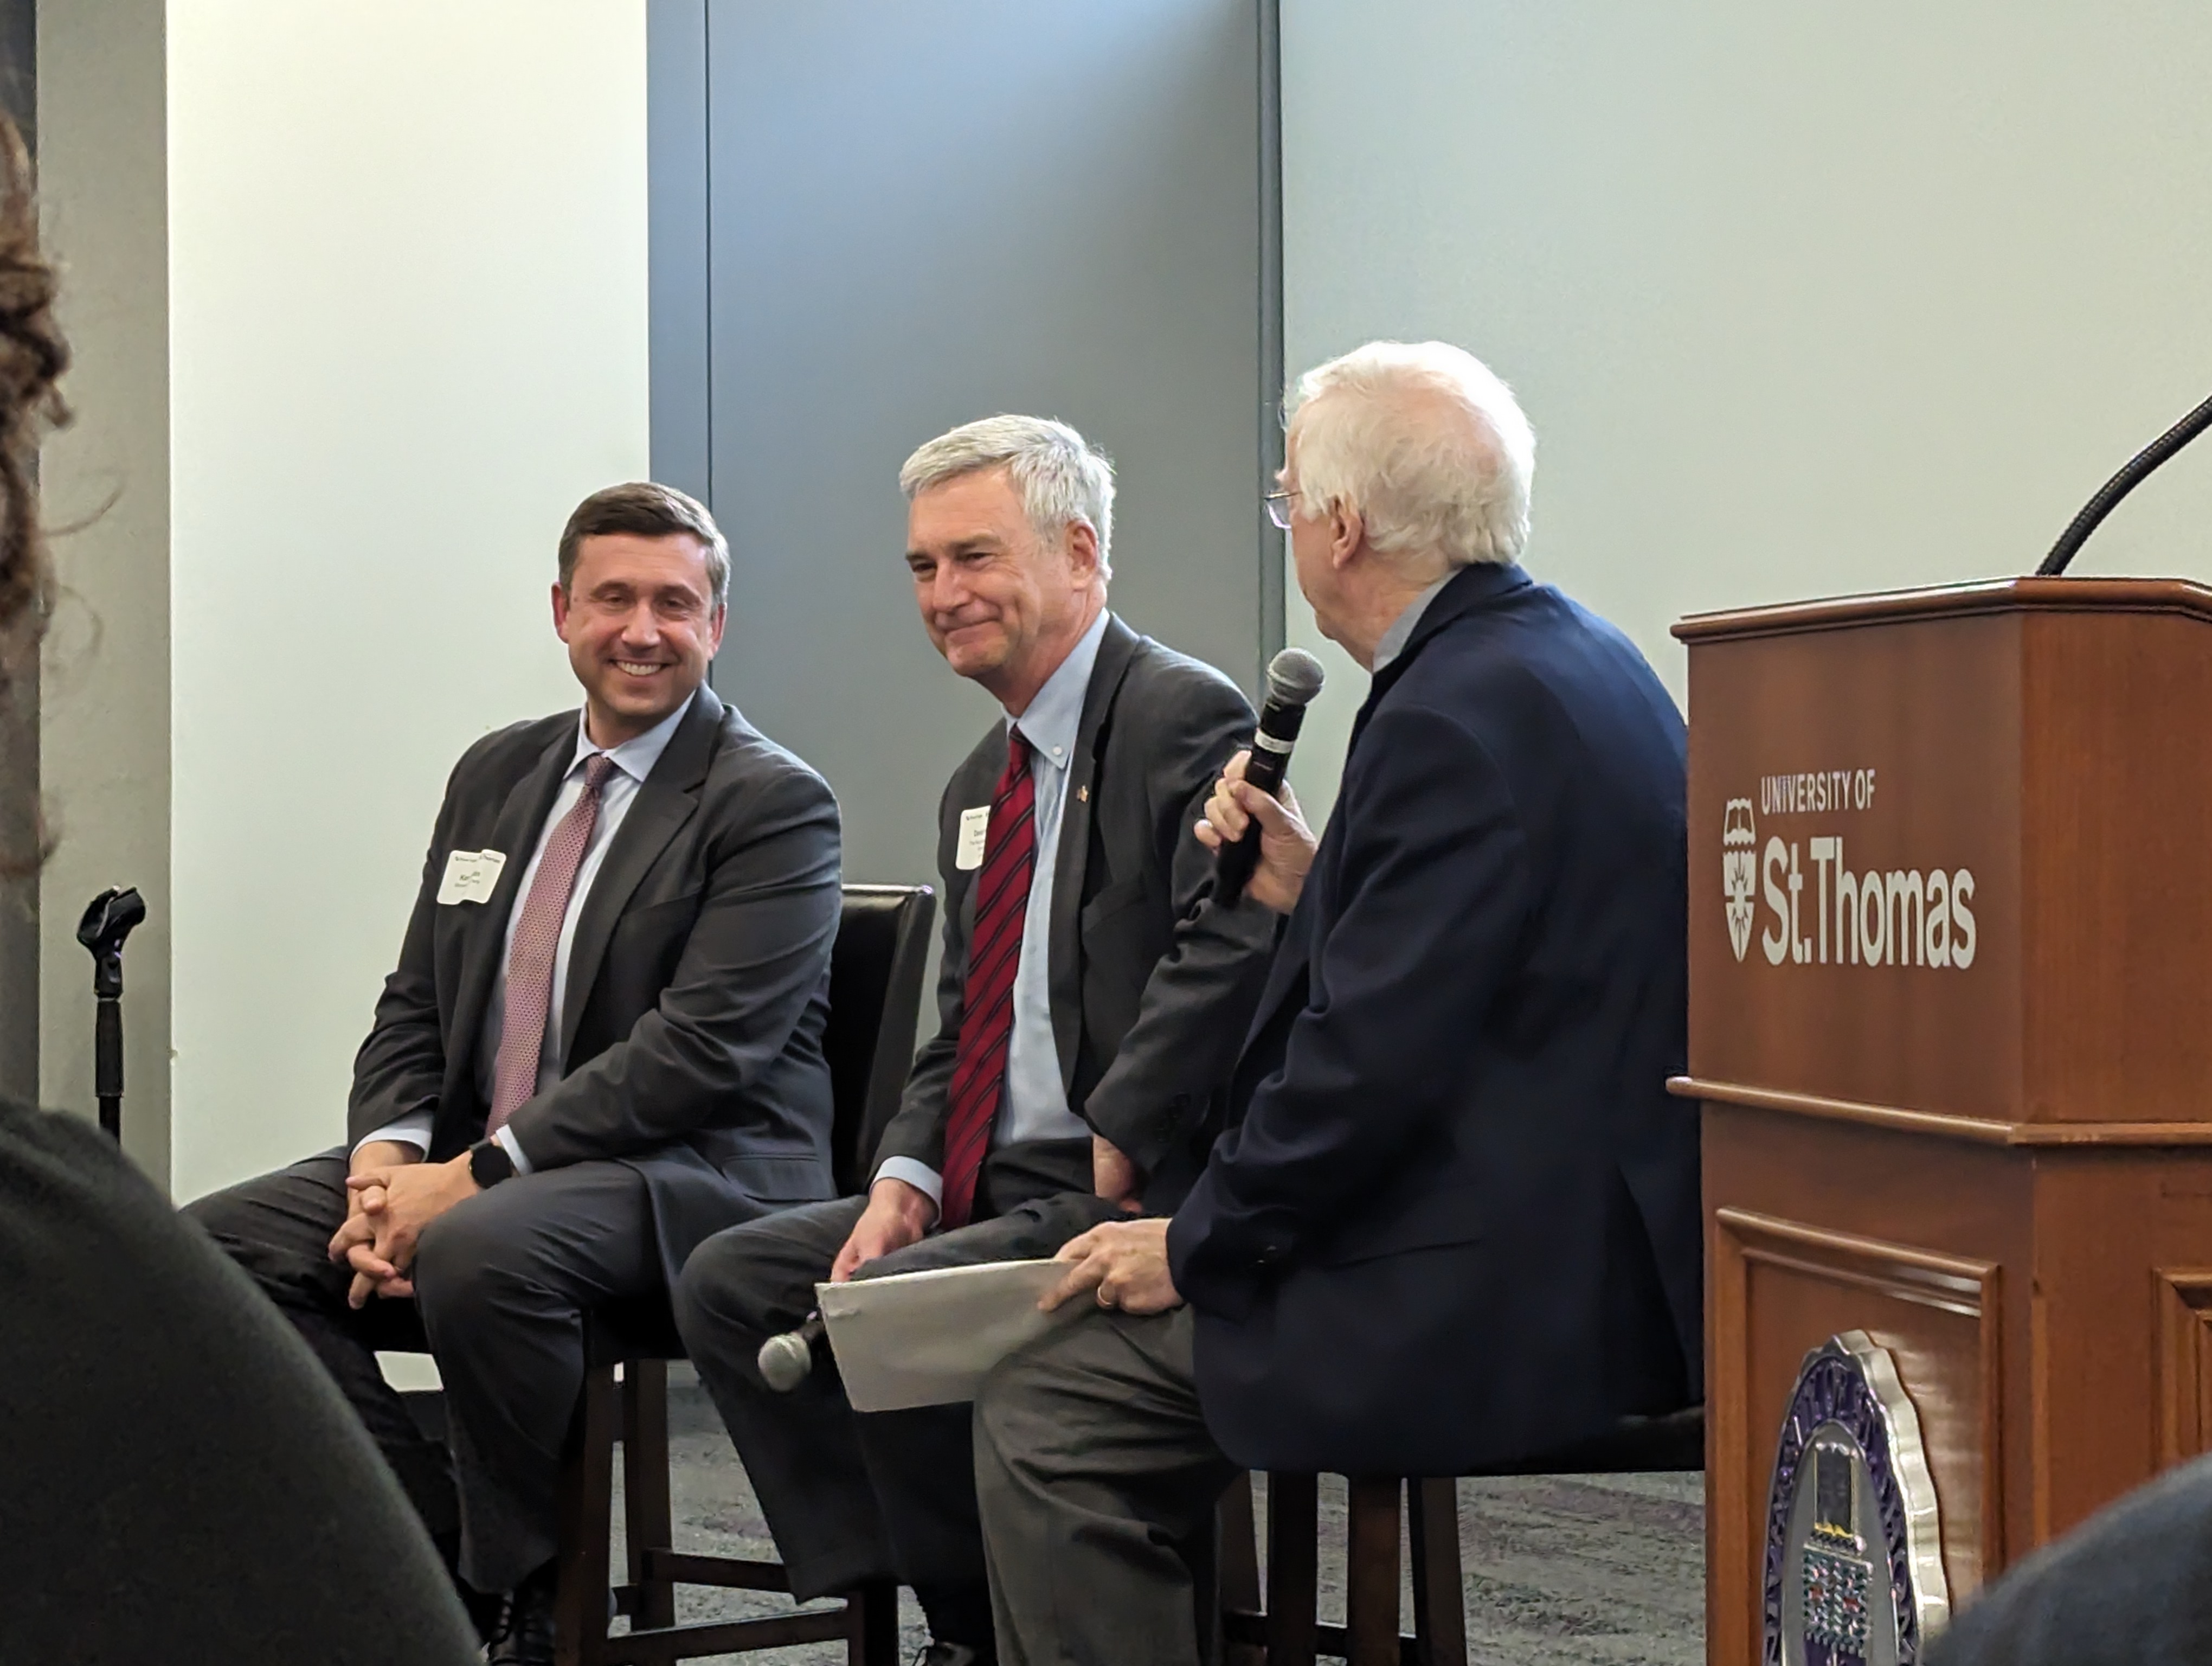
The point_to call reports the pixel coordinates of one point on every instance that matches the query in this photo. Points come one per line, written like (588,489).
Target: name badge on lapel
(470,875)
(975,828)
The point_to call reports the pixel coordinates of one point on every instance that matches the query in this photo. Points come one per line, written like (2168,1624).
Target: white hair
(1062,478)
(1425,443)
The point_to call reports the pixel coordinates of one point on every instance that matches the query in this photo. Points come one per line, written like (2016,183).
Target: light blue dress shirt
(1402,628)
(632,762)
(1035,1105)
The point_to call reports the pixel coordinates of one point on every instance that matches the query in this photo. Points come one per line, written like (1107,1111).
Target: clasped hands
(392,1195)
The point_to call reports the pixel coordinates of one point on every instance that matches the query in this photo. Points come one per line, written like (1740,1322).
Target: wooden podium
(1954,1050)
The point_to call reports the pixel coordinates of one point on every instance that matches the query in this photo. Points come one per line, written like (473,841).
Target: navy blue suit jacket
(1455,1221)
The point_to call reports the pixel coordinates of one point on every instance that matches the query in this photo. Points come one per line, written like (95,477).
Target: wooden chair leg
(587,1481)
(646,1513)
(1293,1568)
(1439,1614)
(1236,1564)
(872,1609)
(1371,1583)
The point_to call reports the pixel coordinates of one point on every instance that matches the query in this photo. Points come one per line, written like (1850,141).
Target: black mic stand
(2139,468)
(108,918)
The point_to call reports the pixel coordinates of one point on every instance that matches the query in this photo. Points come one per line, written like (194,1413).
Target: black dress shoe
(524,1636)
(487,1609)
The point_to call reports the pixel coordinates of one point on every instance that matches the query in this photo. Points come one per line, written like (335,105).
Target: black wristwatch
(489,1164)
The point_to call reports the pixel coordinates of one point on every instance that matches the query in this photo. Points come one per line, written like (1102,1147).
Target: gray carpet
(1560,1570)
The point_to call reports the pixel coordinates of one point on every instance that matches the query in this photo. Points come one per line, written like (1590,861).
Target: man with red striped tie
(602,1042)
(1091,996)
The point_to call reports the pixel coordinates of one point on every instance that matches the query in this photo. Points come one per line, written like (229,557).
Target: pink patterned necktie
(536,939)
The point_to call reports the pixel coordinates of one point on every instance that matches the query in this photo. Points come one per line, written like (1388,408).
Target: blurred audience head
(1424,444)
(33,356)
(1010,527)
(641,600)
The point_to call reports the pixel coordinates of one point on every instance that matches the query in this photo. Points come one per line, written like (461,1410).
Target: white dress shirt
(1035,1104)
(632,762)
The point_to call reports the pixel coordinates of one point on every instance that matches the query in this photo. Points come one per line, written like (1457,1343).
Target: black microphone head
(109,917)
(1294,676)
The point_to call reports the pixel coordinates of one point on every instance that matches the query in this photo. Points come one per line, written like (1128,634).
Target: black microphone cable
(2139,468)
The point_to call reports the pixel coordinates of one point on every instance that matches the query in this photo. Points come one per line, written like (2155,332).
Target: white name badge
(975,827)
(470,875)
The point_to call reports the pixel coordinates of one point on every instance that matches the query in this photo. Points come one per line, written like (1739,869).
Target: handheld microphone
(786,1360)
(1294,676)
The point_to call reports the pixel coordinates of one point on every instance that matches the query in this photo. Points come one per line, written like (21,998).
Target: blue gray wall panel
(874,221)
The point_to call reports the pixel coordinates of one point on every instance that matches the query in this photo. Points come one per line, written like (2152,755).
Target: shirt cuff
(512,1147)
(410,1130)
(918,1174)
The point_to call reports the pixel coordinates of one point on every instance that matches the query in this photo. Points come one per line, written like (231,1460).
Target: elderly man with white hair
(1454,1222)
(1091,995)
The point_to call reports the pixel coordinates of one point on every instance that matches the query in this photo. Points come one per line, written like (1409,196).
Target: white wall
(1801,300)
(408,277)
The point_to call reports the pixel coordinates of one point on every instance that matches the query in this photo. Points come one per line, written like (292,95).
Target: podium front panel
(1855,865)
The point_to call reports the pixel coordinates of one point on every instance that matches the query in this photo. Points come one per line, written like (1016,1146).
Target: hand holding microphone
(1284,846)
(1274,860)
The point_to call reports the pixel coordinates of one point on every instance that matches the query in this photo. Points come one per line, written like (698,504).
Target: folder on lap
(928,1339)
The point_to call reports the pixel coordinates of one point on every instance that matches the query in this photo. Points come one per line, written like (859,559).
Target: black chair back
(875,1004)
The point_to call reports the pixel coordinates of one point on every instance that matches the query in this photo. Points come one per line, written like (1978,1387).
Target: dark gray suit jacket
(698,977)
(1152,984)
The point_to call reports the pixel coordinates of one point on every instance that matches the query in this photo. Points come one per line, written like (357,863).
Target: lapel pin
(1083,795)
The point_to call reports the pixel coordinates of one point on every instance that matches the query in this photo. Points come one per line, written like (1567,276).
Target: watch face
(489,1165)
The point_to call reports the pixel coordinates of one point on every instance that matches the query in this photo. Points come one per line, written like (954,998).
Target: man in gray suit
(1091,997)
(602,1042)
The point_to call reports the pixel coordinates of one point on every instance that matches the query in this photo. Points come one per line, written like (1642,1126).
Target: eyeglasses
(1278,508)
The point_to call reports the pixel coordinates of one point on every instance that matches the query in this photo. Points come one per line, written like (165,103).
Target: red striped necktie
(994,953)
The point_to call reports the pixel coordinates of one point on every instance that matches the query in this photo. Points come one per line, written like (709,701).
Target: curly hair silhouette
(33,356)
